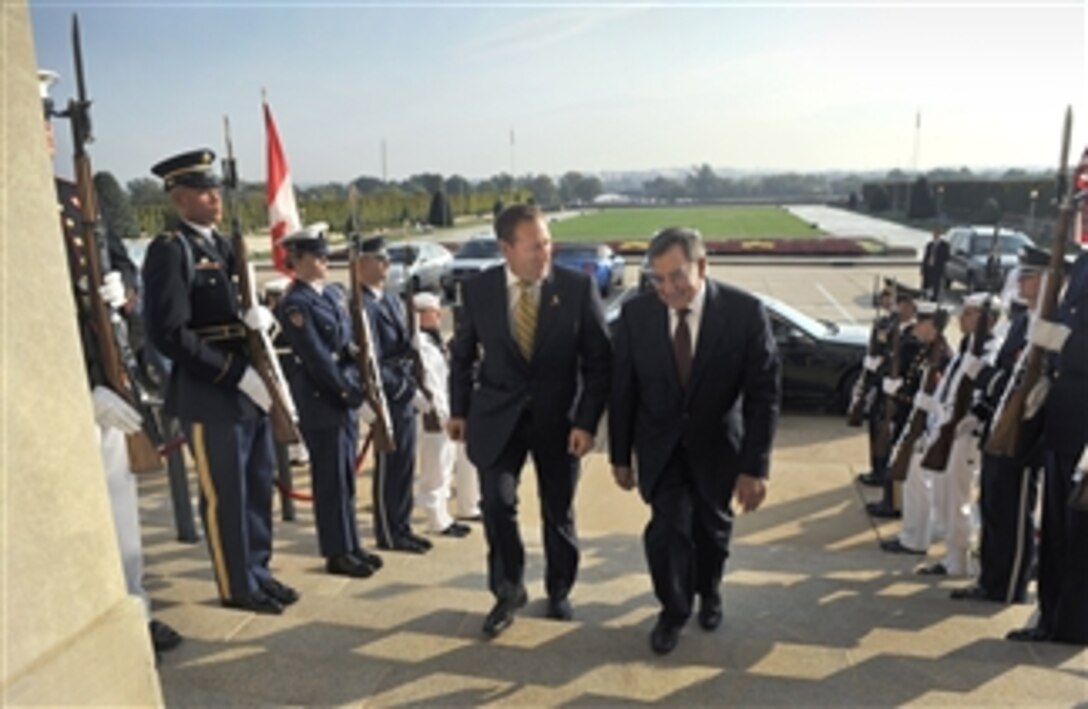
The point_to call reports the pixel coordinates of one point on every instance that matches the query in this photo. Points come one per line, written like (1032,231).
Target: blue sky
(787,86)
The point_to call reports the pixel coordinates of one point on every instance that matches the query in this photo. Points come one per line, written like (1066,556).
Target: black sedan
(821,359)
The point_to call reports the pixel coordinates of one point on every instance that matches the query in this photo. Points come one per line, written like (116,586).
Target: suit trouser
(236,465)
(557,478)
(1008,490)
(332,475)
(1063,554)
(393,474)
(686,540)
(124,503)
(437,456)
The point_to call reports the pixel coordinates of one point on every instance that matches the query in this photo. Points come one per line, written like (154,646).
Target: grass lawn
(715,223)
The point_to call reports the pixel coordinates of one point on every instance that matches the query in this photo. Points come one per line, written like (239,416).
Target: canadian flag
(280,192)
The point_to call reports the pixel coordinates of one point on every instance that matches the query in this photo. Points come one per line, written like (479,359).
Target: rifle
(856,414)
(904,447)
(431,422)
(381,430)
(262,354)
(1005,436)
(118,362)
(884,428)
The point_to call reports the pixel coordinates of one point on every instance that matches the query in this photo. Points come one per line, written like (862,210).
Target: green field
(715,223)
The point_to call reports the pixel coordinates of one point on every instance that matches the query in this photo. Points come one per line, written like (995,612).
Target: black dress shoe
(936,569)
(405,544)
(456,529)
(883,511)
(560,609)
(280,591)
(894,546)
(259,602)
(421,541)
(710,612)
(1028,635)
(972,593)
(871,479)
(348,565)
(501,616)
(664,637)
(472,518)
(163,637)
(372,560)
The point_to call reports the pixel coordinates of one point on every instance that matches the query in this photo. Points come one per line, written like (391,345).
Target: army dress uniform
(326,387)
(192,315)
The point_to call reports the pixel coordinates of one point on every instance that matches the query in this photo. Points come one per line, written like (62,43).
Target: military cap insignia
(295,317)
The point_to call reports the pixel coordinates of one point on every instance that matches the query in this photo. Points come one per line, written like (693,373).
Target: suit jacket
(934,258)
(392,345)
(724,420)
(324,376)
(188,288)
(564,385)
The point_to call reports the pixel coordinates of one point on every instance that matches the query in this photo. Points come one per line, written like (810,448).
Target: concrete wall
(70,634)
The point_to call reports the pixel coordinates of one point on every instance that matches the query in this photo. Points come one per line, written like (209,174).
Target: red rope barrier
(303,497)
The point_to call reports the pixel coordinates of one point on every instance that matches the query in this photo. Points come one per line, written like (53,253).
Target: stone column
(69,634)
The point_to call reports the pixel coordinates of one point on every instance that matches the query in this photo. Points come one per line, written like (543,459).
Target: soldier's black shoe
(560,609)
(280,591)
(163,637)
(258,602)
(348,565)
(664,637)
(1028,635)
(422,541)
(457,530)
(373,560)
(894,546)
(935,569)
(710,612)
(407,544)
(882,510)
(972,593)
(501,615)
(871,478)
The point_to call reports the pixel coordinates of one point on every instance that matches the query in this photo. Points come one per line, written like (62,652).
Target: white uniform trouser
(467,482)
(956,512)
(435,471)
(918,527)
(121,485)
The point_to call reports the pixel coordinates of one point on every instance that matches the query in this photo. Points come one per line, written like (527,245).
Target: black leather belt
(221,333)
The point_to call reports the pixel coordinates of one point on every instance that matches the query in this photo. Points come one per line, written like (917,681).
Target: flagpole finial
(264,95)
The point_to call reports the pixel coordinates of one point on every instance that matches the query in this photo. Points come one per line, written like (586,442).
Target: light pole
(1033,195)
(940,204)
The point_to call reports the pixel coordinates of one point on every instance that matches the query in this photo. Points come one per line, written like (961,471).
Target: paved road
(842,222)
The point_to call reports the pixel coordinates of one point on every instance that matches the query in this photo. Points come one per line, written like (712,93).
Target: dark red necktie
(681,346)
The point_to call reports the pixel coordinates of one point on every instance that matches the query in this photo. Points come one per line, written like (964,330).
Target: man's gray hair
(690,242)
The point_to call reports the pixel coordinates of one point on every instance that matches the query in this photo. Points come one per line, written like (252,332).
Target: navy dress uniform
(192,315)
(394,472)
(326,386)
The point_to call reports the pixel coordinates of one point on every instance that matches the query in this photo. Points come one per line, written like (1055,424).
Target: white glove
(1036,398)
(423,404)
(1047,334)
(112,290)
(1082,464)
(890,385)
(252,386)
(968,426)
(367,413)
(926,402)
(972,365)
(872,362)
(259,318)
(111,411)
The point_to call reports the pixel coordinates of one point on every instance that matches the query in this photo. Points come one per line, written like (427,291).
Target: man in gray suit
(695,390)
(529,373)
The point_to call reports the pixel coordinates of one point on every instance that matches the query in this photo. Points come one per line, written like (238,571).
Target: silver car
(417,263)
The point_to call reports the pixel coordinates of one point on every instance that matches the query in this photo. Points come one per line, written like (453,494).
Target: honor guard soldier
(1008,486)
(115,416)
(1063,564)
(875,365)
(326,386)
(393,474)
(192,315)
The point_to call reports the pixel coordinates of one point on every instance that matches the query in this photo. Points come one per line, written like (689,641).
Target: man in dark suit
(529,375)
(933,262)
(695,393)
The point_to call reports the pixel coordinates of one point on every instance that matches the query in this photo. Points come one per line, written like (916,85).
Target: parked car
(969,256)
(417,263)
(597,260)
(821,359)
(477,254)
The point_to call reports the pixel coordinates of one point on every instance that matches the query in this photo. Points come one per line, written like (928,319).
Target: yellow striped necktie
(525,320)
